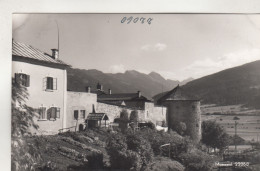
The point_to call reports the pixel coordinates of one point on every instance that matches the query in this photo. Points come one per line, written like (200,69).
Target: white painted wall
(39,97)
(79,101)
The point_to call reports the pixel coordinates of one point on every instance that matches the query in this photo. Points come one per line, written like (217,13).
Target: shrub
(49,166)
(159,138)
(196,161)
(213,135)
(181,128)
(132,151)
(141,146)
(95,160)
(24,156)
(123,121)
(165,164)
(72,154)
(134,118)
(150,125)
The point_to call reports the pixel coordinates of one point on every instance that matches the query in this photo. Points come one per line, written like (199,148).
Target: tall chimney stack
(99,87)
(139,94)
(109,91)
(88,89)
(55,54)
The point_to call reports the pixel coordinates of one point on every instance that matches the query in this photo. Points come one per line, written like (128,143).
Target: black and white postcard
(135,91)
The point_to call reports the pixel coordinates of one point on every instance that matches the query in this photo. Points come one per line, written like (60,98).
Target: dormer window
(23,79)
(50,83)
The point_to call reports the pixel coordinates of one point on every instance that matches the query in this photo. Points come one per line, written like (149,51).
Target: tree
(214,136)
(118,151)
(133,152)
(181,128)
(23,155)
(134,118)
(124,120)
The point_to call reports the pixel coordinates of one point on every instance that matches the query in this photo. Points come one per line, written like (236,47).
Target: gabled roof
(176,94)
(121,97)
(29,52)
(97,116)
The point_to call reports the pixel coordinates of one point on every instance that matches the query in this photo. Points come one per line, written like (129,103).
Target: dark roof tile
(27,51)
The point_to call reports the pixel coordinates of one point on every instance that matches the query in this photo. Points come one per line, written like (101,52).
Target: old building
(181,107)
(59,110)
(45,78)
(79,105)
(113,103)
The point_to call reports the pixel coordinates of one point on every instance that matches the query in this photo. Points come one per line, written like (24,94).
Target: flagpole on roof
(58,36)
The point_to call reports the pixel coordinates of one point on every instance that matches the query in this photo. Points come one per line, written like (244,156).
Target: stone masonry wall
(187,112)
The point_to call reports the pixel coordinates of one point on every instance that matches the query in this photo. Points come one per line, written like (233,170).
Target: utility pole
(236,135)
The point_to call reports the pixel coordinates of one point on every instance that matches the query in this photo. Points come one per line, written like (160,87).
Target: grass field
(248,124)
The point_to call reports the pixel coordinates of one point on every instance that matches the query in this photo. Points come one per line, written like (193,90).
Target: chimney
(93,108)
(88,89)
(139,94)
(99,87)
(55,54)
(109,91)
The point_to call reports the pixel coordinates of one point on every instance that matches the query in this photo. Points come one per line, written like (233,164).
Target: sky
(177,46)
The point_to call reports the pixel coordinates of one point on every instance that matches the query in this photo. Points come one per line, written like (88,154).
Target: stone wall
(186,111)
(155,114)
(151,112)
(112,111)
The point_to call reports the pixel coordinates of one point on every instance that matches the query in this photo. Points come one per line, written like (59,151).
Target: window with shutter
(82,114)
(22,79)
(76,114)
(53,112)
(57,112)
(42,112)
(49,114)
(50,83)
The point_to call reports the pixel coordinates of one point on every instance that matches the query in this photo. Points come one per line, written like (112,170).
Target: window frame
(23,79)
(76,118)
(53,114)
(82,115)
(49,83)
(42,112)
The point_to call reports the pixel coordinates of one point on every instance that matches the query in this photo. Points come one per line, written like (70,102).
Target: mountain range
(238,85)
(128,82)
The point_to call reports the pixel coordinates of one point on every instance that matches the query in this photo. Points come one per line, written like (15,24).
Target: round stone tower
(182,108)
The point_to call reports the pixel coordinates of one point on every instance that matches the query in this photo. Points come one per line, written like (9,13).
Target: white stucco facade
(79,101)
(40,97)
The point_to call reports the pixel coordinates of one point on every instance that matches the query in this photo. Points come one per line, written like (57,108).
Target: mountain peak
(156,76)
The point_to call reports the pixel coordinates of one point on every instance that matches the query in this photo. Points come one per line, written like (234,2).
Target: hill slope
(128,82)
(238,85)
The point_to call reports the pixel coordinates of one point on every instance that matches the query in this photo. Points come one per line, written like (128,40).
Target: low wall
(151,113)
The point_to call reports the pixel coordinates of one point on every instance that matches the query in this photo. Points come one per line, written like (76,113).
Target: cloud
(155,47)
(209,66)
(117,68)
